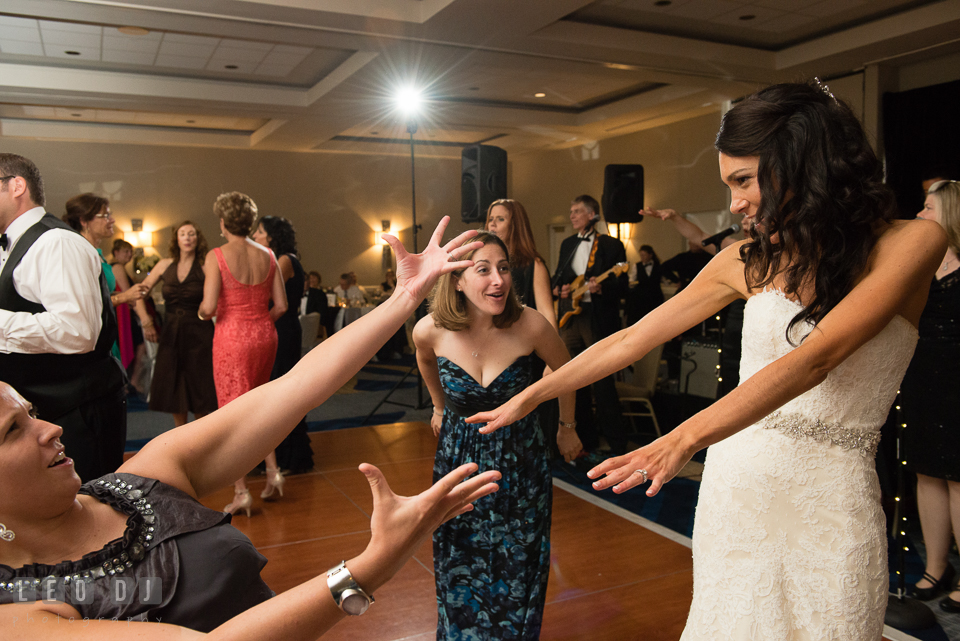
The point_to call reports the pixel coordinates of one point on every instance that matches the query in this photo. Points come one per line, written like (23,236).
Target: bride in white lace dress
(789,538)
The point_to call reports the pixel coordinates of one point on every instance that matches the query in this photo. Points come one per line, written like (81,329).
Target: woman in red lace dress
(240,281)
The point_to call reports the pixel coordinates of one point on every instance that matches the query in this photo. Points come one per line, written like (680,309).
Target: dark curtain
(921,132)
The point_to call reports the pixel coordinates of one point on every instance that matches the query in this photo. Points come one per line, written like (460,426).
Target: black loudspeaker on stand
(483,179)
(622,193)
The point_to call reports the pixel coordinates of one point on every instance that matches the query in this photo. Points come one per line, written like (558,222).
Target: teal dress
(492,563)
(111,287)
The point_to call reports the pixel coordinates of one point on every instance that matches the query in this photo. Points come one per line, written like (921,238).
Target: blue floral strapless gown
(492,563)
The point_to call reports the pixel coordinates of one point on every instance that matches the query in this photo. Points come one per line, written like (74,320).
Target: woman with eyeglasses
(789,539)
(931,406)
(90,215)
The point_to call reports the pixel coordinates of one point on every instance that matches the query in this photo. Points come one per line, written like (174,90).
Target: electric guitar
(578,288)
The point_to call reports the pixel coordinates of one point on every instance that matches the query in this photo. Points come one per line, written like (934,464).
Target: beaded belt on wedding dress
(800,426)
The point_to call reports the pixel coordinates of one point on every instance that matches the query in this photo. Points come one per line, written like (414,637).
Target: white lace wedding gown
(789,540)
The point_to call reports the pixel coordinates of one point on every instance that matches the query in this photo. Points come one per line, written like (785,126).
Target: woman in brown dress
(183,374)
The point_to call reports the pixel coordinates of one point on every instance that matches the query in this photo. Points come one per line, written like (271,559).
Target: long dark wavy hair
(821,192)
(283,238)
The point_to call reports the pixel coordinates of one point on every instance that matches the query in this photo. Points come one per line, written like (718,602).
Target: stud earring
(5,534)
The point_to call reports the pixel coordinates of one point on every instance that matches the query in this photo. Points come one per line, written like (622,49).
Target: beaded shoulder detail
(115,558)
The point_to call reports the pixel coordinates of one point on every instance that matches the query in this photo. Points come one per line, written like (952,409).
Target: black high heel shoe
(939,585)
(949,605)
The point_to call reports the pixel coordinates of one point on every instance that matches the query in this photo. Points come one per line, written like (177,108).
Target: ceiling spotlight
(72,53)
(539,94)
(409,100)
(133,31)
(662,3)
(749,16)
(230,67)
(190,122)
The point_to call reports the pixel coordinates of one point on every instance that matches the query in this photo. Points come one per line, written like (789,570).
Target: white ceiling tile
(70,39)
(786,5)
(59,51)
(190,40)
(70,27)
(23,34)
(234,55)
(24,23)
(293,51)
(283,59)
(221,65)
(650,5)
(830,7)
(67,113)
(110,44)
(247,44)
(274,71)
(36,111)
(129,57)
(21,48)
(184,50)
(706,9)
(760,15)
(115,115)
(785,23)
(180,62)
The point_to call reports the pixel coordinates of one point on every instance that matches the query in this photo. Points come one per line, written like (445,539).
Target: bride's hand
(661,460)
(416,273)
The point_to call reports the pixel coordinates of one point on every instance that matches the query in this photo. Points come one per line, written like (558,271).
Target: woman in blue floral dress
(475,350)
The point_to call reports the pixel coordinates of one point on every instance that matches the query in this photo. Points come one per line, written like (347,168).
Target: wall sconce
(141,238)
(621,232)
(385,226)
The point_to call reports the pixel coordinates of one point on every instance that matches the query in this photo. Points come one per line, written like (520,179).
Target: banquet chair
(636,393)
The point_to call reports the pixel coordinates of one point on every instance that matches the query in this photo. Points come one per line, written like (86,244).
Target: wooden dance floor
(610,579)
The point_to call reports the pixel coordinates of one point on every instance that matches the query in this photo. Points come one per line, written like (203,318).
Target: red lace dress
(245,339)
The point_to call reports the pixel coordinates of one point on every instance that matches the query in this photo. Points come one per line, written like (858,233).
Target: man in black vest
(57,324)
(590,254)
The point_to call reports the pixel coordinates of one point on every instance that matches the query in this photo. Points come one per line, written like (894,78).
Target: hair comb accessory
(824,88)
(5,534)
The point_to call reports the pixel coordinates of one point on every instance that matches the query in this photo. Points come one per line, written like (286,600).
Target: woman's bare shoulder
(916,237)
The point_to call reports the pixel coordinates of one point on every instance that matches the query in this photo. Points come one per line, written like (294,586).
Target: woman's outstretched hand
(661,460)
(507,414)
(400,524)
(416,273)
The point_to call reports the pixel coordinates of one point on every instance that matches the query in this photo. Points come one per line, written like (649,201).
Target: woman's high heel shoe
(241,501)
(275,481)
(939,585)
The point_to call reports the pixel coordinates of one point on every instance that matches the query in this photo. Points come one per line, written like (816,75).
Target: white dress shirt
(581,256)
(61,271)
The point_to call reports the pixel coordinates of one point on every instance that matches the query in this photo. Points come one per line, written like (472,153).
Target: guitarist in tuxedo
(589,254)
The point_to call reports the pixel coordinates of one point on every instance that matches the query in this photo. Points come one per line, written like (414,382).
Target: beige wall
(680,172)
(335,201)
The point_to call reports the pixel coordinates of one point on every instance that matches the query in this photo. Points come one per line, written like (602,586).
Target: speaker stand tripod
(421,311)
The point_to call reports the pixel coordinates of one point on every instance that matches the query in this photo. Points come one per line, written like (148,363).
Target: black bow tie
(586,239)
(4,242)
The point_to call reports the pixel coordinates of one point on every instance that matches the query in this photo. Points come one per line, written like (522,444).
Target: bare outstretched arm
(228,443)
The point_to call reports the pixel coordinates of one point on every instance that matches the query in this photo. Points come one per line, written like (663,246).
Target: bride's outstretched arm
(720,282)
(902,266)
(225,445)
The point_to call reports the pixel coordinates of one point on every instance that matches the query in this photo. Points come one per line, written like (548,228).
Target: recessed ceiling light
(749,16)
(374,133)
(539,94)
(662,3)
(133,31)
(190,122)
(76,115)
(72,53)
(230,67)
(473,88)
